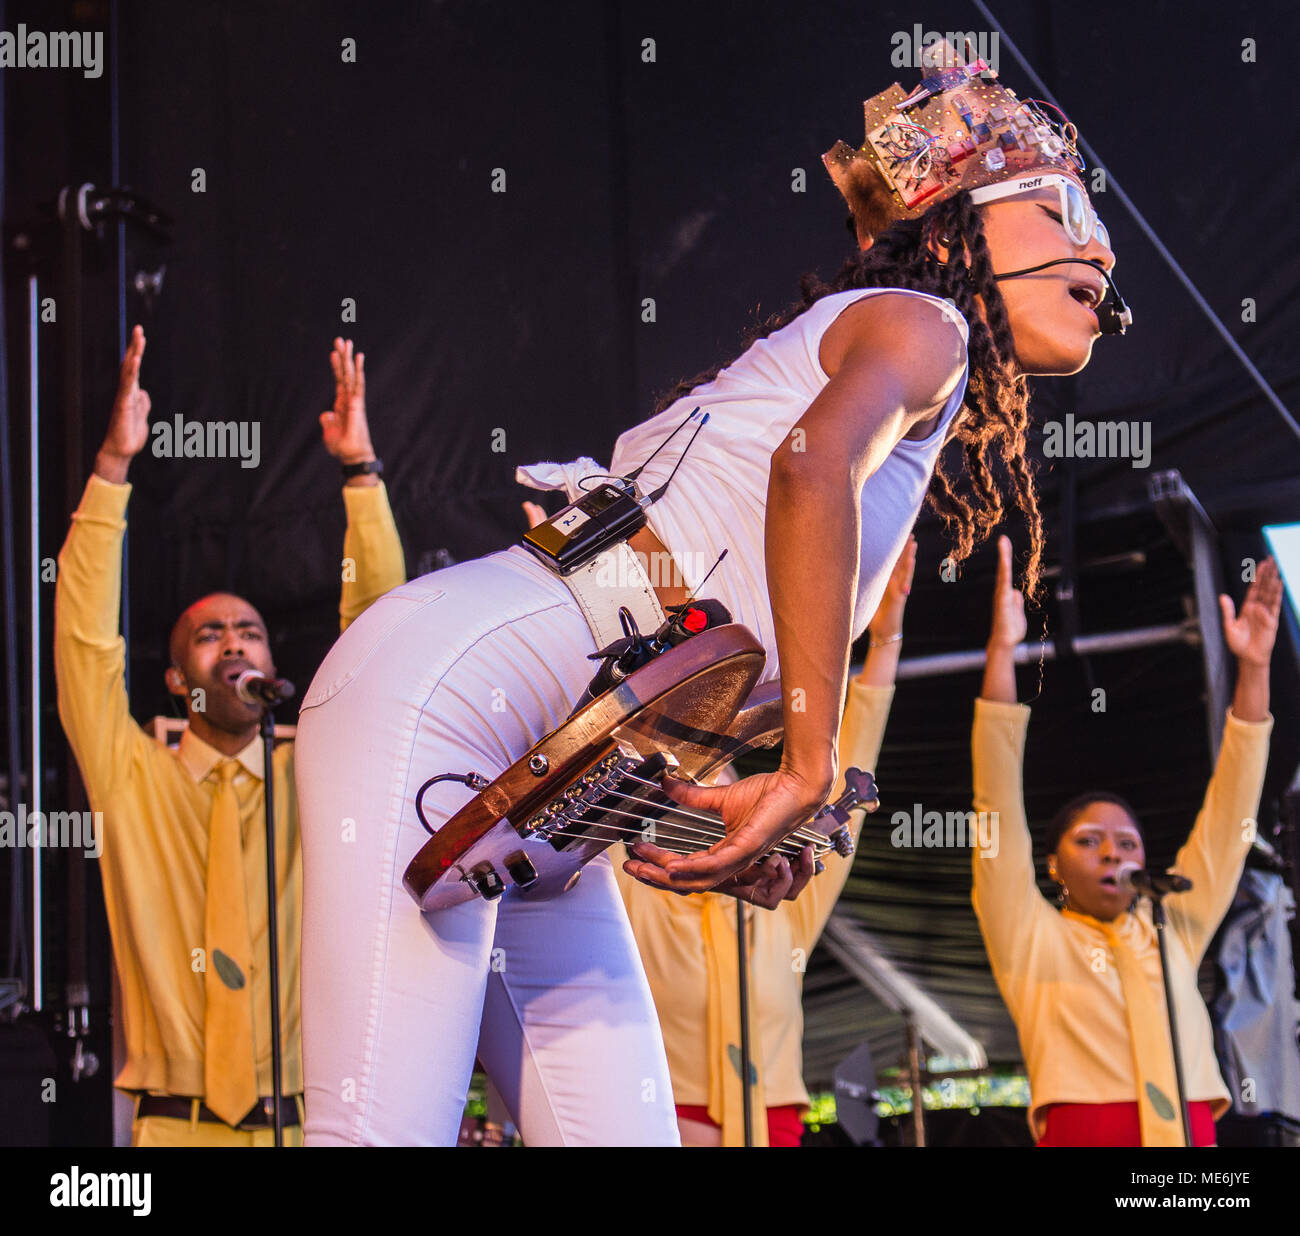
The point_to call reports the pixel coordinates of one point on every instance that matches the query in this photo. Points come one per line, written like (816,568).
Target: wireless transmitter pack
(610,513)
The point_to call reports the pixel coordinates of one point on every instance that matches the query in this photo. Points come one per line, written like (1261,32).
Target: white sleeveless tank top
(718,498)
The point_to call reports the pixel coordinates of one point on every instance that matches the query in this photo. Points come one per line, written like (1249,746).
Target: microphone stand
(267,730)
(1158,918)
(742,960)
(859,791)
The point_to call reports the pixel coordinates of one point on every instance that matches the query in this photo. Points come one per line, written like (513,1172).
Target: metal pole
(15,973)
(854,949)
(742,961)
(34,780)
(115,179)
(272,926)
(1186,632)
(1193,532)
(914,1069)
(1158,917)
(1214,649)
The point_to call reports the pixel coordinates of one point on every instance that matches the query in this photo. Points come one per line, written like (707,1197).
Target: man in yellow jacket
(183,846)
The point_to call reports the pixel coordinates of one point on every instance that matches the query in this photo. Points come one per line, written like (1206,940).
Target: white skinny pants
(462,670)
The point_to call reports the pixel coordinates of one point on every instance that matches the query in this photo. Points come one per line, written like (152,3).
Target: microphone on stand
(1155,884)
(254,687)
(1135,879)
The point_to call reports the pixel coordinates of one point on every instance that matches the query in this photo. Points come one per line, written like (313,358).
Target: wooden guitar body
(693,709)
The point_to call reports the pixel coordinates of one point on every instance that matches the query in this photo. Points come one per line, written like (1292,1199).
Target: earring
(1062,893)
(933,235)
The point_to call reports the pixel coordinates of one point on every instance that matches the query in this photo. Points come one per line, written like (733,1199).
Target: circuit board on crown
(926,149)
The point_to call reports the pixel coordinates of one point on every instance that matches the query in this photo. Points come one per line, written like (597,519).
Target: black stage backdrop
(506,327)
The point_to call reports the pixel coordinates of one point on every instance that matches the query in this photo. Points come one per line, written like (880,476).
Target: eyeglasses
(1080,219)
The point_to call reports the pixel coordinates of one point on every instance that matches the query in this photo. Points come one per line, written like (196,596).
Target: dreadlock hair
(997,396)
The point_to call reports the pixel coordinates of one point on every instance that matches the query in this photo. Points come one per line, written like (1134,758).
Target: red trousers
(784,1125)
(1113,1124)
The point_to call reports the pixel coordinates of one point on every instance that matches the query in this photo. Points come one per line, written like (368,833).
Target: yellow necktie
(229,1060)
(1148,1031)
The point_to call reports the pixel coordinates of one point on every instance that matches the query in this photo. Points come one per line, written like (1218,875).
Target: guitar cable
(475,781)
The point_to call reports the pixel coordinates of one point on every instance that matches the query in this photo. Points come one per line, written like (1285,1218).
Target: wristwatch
(371,467)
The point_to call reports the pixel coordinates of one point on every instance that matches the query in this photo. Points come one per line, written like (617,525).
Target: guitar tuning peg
(860,789)
(842,841)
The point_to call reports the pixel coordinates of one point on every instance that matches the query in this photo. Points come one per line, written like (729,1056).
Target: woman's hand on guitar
(758,812)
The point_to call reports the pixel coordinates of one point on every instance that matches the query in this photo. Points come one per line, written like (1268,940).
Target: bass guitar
(595,779)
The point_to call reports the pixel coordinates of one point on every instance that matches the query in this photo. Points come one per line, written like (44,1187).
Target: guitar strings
(785,847)
(685,812)
(701,832)
(619,834)
(715,832)
(810,834)
(789,847)
(672,817)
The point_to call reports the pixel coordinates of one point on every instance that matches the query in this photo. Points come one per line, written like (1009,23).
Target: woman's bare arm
(896,368)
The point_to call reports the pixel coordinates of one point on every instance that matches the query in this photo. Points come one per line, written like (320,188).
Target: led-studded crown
(959,129)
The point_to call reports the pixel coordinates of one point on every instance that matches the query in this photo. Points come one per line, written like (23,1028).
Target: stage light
(1284,541)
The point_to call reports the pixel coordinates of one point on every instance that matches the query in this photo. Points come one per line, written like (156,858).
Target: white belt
(612,580)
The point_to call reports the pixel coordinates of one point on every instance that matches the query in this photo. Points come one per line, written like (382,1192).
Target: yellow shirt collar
(1134,927)
(199,759)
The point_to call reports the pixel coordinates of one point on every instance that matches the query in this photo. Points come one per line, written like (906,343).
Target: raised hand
(1250,635)
(534,512)
(887,622)
(128,426)
(345,430)
(1009,625)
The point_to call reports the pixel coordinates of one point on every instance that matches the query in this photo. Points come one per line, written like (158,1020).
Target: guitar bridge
(608,803)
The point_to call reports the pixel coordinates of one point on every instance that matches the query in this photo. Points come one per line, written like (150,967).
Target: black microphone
(1114,317)
(1135,879)
(254,687)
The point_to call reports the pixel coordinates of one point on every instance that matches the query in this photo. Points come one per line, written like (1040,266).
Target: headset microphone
(1114,317)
